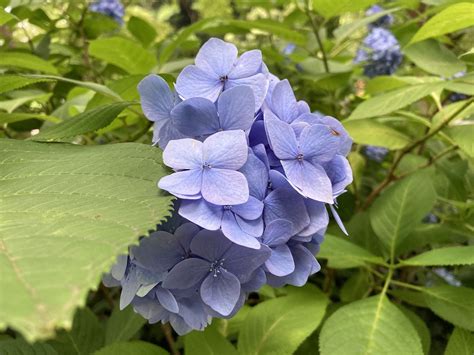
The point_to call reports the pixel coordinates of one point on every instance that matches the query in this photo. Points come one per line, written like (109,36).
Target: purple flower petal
(281,261)
(236,108)
(187,273)
(281,137)
(340,173)
(234,232)
(284,103)
(182,182)
(220,291)
(319,143)
(210,245)
(258,83)
(318,216)
(196,117)
(217,57)
(277,232)
(183,154)
(248,64)
(167,299)
(251,227)
(252,209)
(257,177)
(185,234)
(195,82)
(203,213)
(158,253)
(226,150)
(157,100)
(310,180)
(224,187)
(242,262)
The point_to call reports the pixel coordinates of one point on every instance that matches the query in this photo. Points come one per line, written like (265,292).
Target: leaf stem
(315,28)
(391,174)
(406,285)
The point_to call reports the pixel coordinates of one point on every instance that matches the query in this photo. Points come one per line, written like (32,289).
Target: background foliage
(401,283)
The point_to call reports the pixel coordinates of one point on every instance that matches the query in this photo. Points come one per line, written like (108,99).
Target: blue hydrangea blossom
(254,171)
(383,21)
(380,53)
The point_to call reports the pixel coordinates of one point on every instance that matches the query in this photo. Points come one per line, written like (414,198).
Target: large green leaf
(462,136)
(12,82)
(280,325)
(369,326)
(420,326)
(453,18)
(394,100)
(132,348)
(330,8)
(356,286)
(371,132)
(122,325)
(20,116)
(26,61)
(444,256)
(66,211)
(272,27)
(21,347)
(454,304)
(343,254)
(85,336)
(142,30)
(209,342)
(433,57)
(5,17)
(400,209)
(461,342)
(88,121)
(123,53)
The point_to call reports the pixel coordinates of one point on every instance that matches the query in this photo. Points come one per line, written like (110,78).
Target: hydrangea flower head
(112,8)
(218,67)
(380,52)
(384,21)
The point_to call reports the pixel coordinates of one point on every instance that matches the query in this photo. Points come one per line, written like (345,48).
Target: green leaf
(21,347)
(12,82)
(453,304)
(451,109)
(209,342)
(272,27)
(369,326)
(400,209)
(329,8)
(462,135)
(371,132)
(343,254)
(26,61)
(384,83)
(86,335)
(355,287)
(123,53)
(132,348)
(23,97)
(461,342)
(141,30)
(101,89)
(88,121)
(125,88)
(72,209)
(394,100)
(414,298)
(421,328)
(434,58)
(461,255)
(453,18)
(122,325)
(280,325)
(20,116)
(5,17)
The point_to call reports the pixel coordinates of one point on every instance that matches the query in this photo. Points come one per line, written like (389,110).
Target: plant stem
(315,28)
(391,174)
(169,338)
(406,285)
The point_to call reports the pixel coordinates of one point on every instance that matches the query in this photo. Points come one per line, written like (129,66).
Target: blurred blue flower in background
(112,8)
(384,21)
(380,53)
(375,153)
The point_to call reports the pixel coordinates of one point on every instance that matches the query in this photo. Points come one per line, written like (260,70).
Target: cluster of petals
(111,8)
(253,170)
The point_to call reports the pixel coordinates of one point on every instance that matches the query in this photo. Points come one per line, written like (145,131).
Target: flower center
(227,207)
(206,165)
(224,78)
(334,132)
(300,157)
(217,266)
